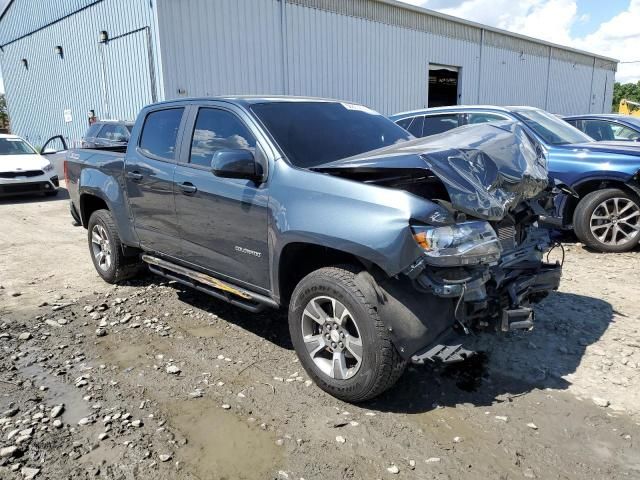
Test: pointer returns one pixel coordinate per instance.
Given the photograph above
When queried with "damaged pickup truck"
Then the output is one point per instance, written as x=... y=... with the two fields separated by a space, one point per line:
x=385 y=249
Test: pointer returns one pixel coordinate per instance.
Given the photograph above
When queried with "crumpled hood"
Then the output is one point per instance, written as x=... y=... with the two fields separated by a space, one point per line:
x=487 y=169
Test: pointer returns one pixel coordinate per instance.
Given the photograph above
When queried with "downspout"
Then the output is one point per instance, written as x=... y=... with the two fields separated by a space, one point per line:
x=283 y=47
x=593 y=71
x=480 y=64
x=546 y=95
x=103 y=78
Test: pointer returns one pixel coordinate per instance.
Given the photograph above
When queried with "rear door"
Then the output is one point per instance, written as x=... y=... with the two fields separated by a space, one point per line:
x=149 y=171
x=223 y=221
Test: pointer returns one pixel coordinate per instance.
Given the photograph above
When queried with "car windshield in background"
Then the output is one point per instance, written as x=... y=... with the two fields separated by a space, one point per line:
x=15 y=146
x=313 y=133
x=550 y=128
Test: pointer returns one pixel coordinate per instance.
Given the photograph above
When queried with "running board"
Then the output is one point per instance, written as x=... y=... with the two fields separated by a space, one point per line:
x=254 y=302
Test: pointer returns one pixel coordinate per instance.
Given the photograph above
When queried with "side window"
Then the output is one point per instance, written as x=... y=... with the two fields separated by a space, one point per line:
x=415 y=128
x=598 y=129
x=217 y=129
x=620 y=132
x=405 y=122
x=160 y=131
x=434 y=124
x=479 y=117
x=574 y=123
x=93 y=130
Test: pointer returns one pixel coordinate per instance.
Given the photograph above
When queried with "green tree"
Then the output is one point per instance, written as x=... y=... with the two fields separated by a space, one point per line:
x=628 y=91
x=4 y=116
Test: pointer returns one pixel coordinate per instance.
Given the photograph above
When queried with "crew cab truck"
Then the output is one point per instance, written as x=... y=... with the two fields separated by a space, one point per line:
x=385 y=249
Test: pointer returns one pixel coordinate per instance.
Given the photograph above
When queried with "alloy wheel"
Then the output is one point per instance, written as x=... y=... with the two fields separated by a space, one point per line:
x=101 y=247
x=616 y=221
x=332 y=337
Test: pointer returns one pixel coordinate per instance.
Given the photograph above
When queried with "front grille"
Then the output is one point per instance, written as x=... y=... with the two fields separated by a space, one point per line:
x=26 y=173
x=17 y=188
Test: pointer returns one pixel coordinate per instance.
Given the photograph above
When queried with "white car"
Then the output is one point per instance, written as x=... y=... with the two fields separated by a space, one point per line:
x=23 y=170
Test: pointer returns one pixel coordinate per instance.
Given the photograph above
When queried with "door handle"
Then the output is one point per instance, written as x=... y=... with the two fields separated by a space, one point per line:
x=134 y=176
x=188 y=188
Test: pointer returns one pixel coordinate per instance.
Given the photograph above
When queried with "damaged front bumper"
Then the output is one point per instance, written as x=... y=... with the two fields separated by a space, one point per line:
x=429 y=310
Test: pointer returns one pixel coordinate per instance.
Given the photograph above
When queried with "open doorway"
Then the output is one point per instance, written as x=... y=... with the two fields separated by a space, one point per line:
x=443 y=85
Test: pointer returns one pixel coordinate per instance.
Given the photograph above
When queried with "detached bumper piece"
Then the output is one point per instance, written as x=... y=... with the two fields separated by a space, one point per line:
x=442 y=353
x=517 y=319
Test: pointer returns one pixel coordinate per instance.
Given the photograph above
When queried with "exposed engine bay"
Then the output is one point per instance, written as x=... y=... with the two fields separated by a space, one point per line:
x=487 y=267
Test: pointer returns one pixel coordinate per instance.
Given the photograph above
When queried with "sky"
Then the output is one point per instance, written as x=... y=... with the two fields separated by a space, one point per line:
x=605 y=27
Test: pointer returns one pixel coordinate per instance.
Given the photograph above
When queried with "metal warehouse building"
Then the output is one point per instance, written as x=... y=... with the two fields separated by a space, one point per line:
x=67 y=57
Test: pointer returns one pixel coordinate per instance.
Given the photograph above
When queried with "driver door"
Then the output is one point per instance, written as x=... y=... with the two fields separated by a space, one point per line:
x=55 y=150
x=222 y=221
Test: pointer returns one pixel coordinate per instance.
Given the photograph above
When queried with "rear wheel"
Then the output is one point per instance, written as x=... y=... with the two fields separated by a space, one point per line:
x=339 y=338
x=608 y=220
x=107 y=250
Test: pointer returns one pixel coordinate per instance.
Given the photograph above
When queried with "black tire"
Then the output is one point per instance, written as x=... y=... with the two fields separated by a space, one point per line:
x=74 y=214
x=582 y=221
x=120 y=267
x=381 y=365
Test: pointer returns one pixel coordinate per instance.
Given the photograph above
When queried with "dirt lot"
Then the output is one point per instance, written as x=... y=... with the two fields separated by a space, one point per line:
x=561 y=402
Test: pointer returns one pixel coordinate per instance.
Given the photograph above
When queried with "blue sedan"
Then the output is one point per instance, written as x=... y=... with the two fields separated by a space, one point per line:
x=607 y=127
x=606 y=175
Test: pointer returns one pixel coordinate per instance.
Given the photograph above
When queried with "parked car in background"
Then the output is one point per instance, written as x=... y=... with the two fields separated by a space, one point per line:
x=381 y=248
x=23 y=170
x=107 y=133
x=605 y=176
x=607 y=127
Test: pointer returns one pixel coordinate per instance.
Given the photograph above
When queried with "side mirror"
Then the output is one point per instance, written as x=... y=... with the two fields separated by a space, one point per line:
x=235 y=163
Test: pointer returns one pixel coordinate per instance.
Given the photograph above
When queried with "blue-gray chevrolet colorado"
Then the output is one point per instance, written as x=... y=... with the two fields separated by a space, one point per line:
x=384 y=248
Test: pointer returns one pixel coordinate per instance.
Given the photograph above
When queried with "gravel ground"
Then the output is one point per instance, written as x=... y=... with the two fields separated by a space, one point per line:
x=150 y=380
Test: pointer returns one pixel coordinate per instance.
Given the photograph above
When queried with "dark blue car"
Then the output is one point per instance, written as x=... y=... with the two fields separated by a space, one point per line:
x=605 y=175
x=607 y=127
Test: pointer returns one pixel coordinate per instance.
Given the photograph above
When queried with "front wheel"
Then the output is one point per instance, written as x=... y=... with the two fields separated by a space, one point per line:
x=339 y=338
x=107 y=251
x=608 y=220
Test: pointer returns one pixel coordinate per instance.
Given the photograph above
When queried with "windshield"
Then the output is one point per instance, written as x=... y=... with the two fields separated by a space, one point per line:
x=551 y=129
x=15 y=146
x=313 y=133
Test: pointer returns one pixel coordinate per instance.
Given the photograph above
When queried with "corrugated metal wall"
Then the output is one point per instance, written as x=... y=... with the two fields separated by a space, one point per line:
x=37 y=96
x=366 y=51
x=373 y=52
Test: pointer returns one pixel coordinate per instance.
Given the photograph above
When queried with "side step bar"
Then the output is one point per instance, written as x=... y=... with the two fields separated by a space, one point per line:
x=254 y=302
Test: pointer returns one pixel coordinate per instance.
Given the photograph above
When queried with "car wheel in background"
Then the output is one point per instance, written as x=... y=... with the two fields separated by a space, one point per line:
x=339 y=338
x=107 y=251
x=608 y=220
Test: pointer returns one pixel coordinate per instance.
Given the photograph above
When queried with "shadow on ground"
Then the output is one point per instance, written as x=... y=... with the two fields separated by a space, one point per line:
x=508 y=365
x=63 y=194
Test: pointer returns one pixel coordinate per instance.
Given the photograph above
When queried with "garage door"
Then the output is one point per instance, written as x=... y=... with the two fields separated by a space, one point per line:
x=127 y=76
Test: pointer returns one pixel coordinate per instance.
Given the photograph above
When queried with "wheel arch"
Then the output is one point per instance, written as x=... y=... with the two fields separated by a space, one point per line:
x=298 y=259
x=587 y=186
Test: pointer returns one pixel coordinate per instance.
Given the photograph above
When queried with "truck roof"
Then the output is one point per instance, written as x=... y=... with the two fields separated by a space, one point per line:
x=254 y=99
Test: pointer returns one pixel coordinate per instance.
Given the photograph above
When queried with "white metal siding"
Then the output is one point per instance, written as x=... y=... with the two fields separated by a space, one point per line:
x=569 y=87
x=369 y=51
x=513 y=78
x=224 y=47
x=37 y=96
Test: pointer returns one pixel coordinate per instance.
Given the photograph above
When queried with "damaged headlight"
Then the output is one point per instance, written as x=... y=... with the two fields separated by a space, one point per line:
x=466 y=243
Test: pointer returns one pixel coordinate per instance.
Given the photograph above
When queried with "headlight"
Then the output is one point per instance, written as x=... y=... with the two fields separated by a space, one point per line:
x=466 y=243
x=48 y=168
